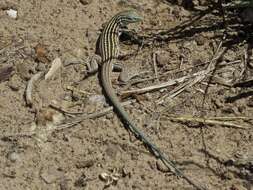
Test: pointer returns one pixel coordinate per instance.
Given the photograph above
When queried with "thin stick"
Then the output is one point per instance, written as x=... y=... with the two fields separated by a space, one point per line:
x=155 y=65
x=66 y=112
x=201 y=75
x=211 y=121
x=84 y=117
x=181 y=88
x=66 y=125
x=231 y=118
x=177 y=71
x=162 y=85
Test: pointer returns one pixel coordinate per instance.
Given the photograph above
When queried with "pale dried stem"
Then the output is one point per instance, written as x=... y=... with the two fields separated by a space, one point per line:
x=210 y=121
x=29 y=87
x=67 y=124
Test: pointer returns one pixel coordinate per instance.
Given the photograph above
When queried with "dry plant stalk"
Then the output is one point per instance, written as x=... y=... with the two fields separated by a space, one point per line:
x=221 y=121
x=68 y=124
x=29 y=88
x=201 y=74
x=55 y=66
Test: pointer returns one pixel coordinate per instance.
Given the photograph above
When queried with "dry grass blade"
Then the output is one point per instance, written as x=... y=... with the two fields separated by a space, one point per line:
x=181 y=88
x=164 y=85
x=209 y=121
x=68 y=124
x=154 y=55
x=197 y=77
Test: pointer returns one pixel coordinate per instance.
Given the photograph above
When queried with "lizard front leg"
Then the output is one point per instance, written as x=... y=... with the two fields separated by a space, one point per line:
x=92 y=65
x=95 y=61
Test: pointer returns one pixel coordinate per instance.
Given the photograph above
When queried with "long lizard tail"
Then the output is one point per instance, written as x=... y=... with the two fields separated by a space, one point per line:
x=107 y=85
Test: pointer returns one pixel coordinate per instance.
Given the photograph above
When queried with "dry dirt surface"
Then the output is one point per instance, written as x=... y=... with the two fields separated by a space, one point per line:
x=201 y=118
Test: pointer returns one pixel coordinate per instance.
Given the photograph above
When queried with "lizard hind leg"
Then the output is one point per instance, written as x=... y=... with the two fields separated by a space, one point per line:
x=127 y=74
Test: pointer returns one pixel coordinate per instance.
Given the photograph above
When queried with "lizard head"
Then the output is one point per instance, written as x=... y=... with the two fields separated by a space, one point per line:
x=127 y=17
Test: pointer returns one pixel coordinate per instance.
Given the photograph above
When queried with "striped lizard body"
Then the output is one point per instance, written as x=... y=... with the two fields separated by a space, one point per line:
x=109 y=49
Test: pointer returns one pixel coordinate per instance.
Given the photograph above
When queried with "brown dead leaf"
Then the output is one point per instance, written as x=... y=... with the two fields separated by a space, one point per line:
x=44 y=116
x=41 y=53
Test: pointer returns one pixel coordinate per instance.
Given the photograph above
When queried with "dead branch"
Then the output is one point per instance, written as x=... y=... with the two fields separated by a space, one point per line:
x=29 y=87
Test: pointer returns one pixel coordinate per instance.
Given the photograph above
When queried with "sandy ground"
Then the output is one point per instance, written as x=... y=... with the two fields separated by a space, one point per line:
x=100 y=153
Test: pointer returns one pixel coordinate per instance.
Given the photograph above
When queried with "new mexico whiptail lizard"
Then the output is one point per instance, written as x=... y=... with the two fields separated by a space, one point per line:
x=109 y=50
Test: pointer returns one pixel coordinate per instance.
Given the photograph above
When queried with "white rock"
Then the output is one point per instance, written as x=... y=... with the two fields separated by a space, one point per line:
x=12 y=13
x=13 y=156
x=97 y=99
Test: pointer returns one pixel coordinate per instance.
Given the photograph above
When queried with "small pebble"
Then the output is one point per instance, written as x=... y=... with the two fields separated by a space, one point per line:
x=85 y=164
x=5 y=73
x=250 y=102
x=24 y=70
x=112 y=151
x=41 y=67
x=99 y=99
x=81 y=181
x=13 y=156
x=162 y=58
x=64 y=184
x=13 y=86
x=85 y=2
x=51 y=175
x=200 y=40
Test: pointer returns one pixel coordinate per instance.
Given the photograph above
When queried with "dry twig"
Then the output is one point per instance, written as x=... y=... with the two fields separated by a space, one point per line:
x=155 y=65
x=163 y=85
x=67 y=124
x=29 y=88
x=55 y=66
x=210 y=121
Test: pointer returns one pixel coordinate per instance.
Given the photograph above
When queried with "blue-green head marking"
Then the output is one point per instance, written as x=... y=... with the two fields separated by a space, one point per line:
x=127 y=17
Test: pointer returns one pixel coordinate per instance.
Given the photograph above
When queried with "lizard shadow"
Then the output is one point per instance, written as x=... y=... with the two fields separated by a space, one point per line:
x=242 y=95
x=195 y=25
x=231 y=167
